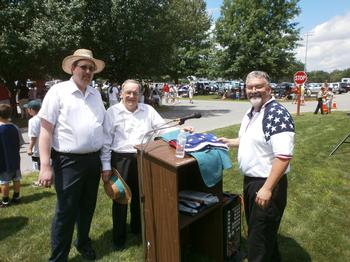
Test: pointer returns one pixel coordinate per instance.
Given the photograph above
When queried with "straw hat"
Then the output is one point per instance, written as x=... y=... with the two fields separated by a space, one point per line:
x=117 y=189
x=79 y=55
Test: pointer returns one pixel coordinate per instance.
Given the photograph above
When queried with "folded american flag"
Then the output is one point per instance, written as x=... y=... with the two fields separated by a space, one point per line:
x=199 y=141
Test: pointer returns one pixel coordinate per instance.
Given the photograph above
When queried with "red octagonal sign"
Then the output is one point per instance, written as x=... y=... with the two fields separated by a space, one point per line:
x=300 y=77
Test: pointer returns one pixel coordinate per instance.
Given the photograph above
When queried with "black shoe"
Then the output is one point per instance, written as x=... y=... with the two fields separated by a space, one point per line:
x=4 y=204
x=16 y=200
x=86 y=251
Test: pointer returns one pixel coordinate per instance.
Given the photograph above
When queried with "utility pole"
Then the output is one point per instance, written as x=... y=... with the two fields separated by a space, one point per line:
x=307 y=41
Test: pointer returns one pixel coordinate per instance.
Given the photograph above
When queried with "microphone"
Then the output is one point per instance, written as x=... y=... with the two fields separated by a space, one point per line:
x=183 y=119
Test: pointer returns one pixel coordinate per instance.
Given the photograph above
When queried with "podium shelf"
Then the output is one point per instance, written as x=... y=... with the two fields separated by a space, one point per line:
x=185 y=220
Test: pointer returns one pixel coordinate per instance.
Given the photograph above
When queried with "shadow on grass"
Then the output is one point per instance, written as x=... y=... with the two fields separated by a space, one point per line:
x=35 y=197
x=291 y=251
x=11 y=225
x=103 y=245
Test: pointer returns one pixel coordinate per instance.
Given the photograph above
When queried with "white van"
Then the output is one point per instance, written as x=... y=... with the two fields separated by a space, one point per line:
x=345 y=80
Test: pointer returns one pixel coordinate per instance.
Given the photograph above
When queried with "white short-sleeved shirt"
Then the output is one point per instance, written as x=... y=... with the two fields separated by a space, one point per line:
x=77 y=118
x=124 y=129
x=113 y=93
x=264 y=136
x=34 y=131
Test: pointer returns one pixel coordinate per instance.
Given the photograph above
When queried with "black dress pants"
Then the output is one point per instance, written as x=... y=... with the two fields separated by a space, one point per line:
x=76 y=184
x=319 y=106
x=263 y=224
x=126 y=164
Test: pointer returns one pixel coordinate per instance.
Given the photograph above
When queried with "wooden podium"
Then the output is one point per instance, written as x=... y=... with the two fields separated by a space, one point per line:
x=170 y=235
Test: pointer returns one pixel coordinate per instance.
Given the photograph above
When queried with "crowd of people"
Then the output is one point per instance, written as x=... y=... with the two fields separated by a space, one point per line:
x=80 y=142
x=154 y=94
x=22 y=93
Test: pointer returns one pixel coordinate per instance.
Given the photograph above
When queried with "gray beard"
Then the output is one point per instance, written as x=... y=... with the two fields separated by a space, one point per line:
x=256 y=102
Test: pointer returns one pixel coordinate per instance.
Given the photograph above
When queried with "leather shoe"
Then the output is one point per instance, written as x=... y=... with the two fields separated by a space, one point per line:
x=86 y=252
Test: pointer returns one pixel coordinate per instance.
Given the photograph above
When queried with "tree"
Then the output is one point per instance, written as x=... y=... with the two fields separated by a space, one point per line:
x=190 y=26
x=318 y=76
x=137 y=39
x=257 y=34
x=35 y=36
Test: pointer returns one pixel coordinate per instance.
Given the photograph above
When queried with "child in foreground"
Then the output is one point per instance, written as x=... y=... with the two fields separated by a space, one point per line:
x=9 y=157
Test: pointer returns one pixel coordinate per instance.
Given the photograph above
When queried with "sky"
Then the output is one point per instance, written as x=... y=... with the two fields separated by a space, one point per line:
x=325 y=26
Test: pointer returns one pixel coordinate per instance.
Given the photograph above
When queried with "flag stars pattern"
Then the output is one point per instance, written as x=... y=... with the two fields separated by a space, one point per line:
x=276 y=120
x=198 y=141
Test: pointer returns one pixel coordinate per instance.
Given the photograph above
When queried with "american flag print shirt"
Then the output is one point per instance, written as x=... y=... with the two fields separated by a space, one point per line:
x=264 y=136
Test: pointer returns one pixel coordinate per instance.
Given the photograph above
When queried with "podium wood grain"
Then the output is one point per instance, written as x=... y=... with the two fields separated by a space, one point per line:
x=169 y=233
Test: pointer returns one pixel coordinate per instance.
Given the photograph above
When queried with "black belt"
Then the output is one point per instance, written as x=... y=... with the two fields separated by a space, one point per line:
x=250 y=178
x=54 y=152
x=126 y=155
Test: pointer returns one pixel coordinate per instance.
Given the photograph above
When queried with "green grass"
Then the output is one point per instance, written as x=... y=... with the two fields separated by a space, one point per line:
x=315 y=225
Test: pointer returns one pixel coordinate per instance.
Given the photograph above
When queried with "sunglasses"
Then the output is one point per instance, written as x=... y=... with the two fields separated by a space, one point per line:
x=87 y=67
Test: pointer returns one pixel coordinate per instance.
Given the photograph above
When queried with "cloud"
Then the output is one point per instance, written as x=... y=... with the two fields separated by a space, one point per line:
x=328 y=45
x=214 y=12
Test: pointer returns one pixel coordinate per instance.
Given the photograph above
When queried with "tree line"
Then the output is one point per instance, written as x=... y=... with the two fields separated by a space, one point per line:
x=153 y=39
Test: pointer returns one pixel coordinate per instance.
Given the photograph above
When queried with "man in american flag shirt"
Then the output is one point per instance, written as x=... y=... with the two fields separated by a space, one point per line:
x=265 y=148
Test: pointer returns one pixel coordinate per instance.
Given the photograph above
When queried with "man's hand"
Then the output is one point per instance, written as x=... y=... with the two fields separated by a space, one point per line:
x=230 y=142
x=29 y=152
x=263 y=197
x=106 y=175
x=45 y=175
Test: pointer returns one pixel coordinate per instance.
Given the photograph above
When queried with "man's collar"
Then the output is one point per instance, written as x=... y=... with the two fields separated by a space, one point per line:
x=74 y=88
x=140 y=107
x=268 y=102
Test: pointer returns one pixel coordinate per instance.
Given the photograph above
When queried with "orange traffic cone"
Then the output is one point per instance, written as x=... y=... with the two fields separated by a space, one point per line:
x=324 y=105
x=334 y=104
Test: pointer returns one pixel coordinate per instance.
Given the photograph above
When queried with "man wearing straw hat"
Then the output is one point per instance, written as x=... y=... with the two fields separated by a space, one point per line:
x=71 y=133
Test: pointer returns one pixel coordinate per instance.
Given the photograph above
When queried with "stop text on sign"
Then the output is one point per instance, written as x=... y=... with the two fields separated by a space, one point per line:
x=300 y=77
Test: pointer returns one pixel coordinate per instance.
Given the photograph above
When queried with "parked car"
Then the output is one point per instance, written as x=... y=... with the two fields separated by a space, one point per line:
x=223 y=87
x=345 y=80
x=282 y=90
x=213 y=87
x=345 y=86
x=202 y=87
x=183 y=91
x=312 y=88
x=338 y=88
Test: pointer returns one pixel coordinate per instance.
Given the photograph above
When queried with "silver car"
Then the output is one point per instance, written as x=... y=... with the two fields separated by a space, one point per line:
x=312 y=88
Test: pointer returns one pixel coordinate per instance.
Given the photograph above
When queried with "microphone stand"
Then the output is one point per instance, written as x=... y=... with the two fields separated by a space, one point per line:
x=142 y=197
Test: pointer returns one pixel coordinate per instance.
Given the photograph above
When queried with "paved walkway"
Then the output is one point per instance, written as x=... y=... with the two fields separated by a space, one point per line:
x=215 y=114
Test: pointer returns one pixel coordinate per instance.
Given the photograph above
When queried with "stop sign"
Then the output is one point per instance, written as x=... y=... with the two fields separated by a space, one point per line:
x=300 y=77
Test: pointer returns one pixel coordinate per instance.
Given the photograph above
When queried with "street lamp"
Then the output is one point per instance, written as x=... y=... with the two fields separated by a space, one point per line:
x=307 y=41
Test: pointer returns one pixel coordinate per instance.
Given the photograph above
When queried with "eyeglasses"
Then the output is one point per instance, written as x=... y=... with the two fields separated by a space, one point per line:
x=87 y=67
x=257 y=87
x=129 y=93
